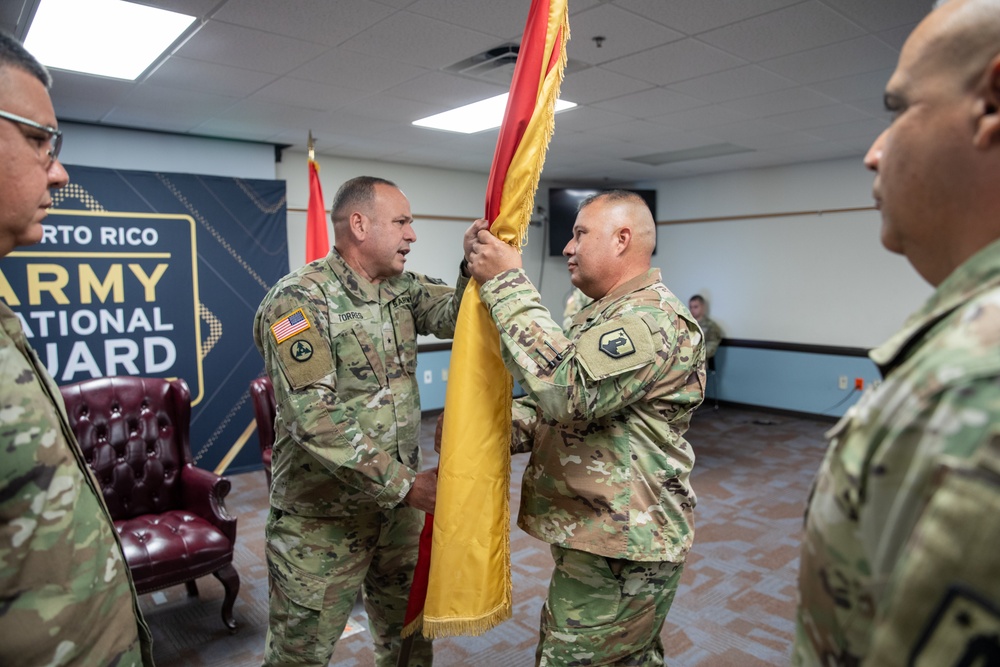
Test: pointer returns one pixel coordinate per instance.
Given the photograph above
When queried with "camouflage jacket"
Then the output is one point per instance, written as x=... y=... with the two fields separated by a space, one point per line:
x=713 y=335
x=66 y=594
x=604 y=417
x=899 y=557
x=342 y=355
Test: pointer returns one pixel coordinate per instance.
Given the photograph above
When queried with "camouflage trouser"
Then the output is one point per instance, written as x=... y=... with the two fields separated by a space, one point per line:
x=316 y=566
x=605 y=611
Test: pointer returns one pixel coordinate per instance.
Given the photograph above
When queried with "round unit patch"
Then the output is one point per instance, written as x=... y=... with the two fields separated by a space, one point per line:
x=302 y=350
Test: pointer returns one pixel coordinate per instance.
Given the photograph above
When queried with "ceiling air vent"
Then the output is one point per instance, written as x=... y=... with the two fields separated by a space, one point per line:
x=495 y=65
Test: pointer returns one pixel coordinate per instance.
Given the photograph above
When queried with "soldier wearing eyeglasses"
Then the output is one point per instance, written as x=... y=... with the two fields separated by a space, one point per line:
x=66 y=595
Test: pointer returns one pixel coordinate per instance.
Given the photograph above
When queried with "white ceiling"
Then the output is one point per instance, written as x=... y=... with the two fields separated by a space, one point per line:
x=787 y=81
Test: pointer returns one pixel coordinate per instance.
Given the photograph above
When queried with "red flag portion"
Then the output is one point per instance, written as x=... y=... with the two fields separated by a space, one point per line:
x=469 y=588
x=317 y=239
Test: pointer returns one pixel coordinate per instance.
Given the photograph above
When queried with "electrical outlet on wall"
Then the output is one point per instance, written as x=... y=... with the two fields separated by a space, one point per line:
x=842 y=382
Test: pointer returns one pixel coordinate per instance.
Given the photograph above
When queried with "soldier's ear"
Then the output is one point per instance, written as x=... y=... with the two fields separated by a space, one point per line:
x=987 y=133
x=358 y=224
x=623 y=237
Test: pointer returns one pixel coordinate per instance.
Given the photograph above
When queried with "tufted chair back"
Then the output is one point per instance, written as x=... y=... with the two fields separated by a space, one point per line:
x=134 y=434
x=262 y=397
x=170 y=516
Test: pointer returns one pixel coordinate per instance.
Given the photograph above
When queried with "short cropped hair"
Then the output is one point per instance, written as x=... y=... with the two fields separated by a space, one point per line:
x=13 y=54
x=613 y=196
x=359 y=192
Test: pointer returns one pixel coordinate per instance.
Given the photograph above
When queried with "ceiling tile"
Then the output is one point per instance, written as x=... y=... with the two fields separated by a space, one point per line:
x=733 y=84
x=504 y=19
x=445 y=91
x=596 y=83
x=320 y=21
x=883 y=14
x=695 y=16
x=349 y=69
x=820 y=117
x=624 y=34
x=797 y=28
x=415 y=39
x=177 y=72
x=855 y=87
x=792 y=99
x=677 y=61
x=854 y=56
x=226 y=44
x=652 y=102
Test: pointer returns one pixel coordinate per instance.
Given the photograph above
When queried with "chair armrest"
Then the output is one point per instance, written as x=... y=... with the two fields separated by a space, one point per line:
x=203 y=493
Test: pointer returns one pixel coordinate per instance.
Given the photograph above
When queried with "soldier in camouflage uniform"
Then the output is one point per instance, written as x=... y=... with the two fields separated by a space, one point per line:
x=899 y=557
x=66 y=594
x=711 y=330
x=339 y=340
x=607 y=405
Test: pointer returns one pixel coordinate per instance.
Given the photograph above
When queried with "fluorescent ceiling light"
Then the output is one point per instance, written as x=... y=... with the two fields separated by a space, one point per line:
x=105 y=37
x=477 y=116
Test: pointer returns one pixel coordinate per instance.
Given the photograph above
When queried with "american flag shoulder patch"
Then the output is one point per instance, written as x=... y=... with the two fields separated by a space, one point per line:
x=288 y=326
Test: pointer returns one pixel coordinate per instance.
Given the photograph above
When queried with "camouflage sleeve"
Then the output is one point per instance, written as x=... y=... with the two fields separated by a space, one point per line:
x=435 y=304
x=943 y=595
x=524 y=418
x=573 y=381
x=316 y=419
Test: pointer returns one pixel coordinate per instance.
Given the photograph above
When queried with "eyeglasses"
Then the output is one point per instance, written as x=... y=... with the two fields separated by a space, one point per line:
x=55 y=136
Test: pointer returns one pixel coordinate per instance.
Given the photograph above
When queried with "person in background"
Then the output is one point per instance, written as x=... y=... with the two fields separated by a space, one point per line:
x=575 y=302
x=608 y=482
x=899 y=562
x=713 y=334
x=66 y=593
x=339 y=341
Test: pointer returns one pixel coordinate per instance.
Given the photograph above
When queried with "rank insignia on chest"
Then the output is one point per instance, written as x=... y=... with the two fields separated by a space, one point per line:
x=288 y=326
x=616 y=344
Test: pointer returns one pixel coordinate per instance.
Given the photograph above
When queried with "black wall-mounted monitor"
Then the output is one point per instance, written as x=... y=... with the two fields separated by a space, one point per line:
x=563 y=204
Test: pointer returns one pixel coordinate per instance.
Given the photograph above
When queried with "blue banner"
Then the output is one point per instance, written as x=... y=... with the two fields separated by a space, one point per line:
x=157 y=274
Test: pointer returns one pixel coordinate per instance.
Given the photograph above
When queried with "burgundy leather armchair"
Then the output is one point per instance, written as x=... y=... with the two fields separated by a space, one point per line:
x=262 y=397
x=170 y=515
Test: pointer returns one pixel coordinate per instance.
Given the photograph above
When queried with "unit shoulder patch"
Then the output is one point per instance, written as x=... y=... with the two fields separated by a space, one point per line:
x=304 y=356
x=964 y=631
x=615 y=347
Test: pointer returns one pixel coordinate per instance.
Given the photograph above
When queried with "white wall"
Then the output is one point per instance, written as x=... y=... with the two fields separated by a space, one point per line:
x=821 y=279
x=112 y=148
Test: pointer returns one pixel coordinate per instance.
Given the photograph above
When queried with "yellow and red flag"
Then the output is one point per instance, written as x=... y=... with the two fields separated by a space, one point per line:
x=317 y=239
x=469 y=587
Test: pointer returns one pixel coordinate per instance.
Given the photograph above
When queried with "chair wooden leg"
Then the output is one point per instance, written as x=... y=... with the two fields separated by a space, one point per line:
x=192 y=588
x=231 y=582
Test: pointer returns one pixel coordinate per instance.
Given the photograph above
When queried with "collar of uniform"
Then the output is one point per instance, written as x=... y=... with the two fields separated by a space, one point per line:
x=641 y=281
x=359 y=286
x=978 y=274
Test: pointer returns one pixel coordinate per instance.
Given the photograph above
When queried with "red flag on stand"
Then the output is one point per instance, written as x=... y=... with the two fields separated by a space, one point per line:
x=317 y=239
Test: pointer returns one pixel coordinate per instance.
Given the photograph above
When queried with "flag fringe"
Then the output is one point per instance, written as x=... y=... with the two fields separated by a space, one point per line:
x=466 y=627
x=527 y=203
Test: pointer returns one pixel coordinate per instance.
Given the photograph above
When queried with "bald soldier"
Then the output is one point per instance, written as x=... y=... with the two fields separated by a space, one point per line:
x=604 y=418
x=899 y=557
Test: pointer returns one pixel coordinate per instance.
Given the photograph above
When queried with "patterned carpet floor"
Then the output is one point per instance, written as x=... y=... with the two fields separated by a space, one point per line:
x=734 y=608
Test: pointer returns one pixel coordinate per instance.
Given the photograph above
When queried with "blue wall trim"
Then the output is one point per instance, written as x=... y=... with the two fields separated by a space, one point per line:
x=780 y=376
